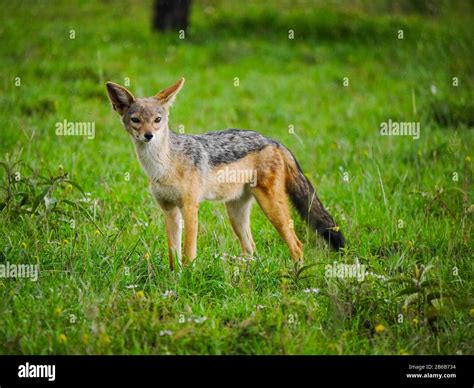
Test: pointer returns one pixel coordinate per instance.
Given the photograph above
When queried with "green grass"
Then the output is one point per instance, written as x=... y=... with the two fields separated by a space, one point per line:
x=104 y=285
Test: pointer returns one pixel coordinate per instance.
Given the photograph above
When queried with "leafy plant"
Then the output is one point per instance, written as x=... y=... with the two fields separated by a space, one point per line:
x=295 y=275
x=37 y=194
x=422 y=293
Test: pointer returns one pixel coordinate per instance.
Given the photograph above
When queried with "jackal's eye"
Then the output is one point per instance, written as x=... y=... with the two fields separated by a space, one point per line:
x=135 y=120
x=158 y=119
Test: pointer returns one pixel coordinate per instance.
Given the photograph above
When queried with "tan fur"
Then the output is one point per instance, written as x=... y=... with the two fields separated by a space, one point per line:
x=270 y=193
x=180 y=194
x=179 y=187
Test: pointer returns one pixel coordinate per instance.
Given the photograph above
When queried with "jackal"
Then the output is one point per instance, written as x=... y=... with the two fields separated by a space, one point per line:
x=233 y=166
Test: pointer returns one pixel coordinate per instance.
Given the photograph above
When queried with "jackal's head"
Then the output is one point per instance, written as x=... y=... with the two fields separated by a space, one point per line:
x=145 y=119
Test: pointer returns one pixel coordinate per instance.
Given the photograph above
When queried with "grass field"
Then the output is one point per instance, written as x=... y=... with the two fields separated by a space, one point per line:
x=81 y=210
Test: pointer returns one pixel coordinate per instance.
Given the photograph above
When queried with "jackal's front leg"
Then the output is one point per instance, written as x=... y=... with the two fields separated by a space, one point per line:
x=190 y=215
x=173 y=226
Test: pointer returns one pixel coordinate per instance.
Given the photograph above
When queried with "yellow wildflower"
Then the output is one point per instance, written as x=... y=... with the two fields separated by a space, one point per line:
x=105 y=339
x=379 y=328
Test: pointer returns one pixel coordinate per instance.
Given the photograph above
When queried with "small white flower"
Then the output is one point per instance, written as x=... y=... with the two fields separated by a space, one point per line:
x=49 y=202
x=311 y=290
x=141 y=223
x=200 y=320
x=131 y=286
x=377 y=276
x=165 y=332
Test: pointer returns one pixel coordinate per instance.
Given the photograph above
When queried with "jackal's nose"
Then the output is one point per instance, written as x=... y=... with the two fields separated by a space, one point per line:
x=148 y=136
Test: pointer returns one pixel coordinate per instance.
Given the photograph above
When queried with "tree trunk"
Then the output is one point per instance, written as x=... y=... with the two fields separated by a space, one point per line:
x=171 y=15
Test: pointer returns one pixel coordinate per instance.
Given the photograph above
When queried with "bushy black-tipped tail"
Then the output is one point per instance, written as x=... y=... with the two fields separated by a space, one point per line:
x=304 y=198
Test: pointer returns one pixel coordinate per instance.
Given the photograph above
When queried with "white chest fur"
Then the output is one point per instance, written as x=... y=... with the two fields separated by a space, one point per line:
x=152 y=160
x=155 y=162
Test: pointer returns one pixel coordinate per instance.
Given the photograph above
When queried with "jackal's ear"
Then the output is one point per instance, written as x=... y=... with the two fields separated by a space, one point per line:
x=167 y=96
x=120 y=97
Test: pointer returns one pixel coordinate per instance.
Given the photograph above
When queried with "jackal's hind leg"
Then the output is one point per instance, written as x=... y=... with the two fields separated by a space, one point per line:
x=239 y=216
x=274 y=203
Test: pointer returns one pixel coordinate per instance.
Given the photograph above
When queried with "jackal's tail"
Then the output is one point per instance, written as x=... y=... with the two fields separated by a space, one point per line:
x=304 y=198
